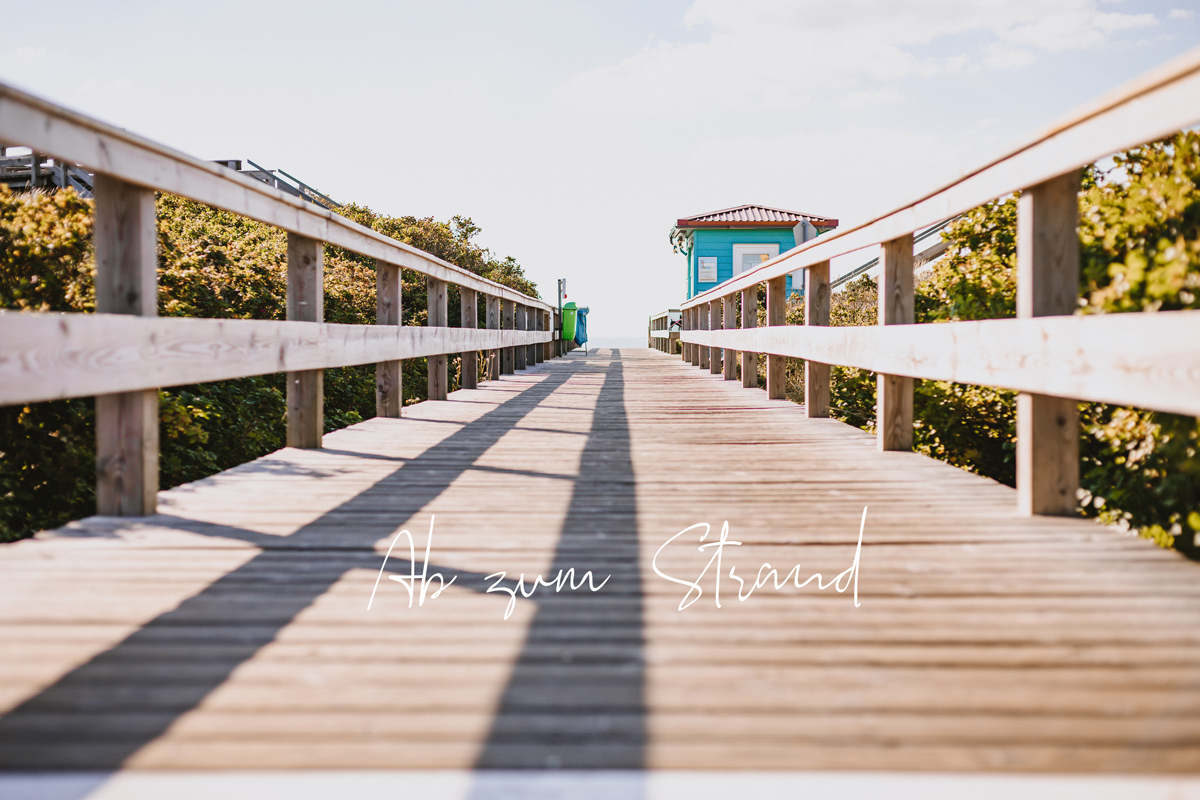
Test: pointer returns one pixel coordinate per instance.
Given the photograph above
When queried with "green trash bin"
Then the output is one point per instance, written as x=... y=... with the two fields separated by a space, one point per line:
x=568 y=322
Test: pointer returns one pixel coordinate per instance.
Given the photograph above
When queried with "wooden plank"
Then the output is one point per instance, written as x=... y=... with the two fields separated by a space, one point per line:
x=305 y=303
x=894 y=393
x=389 y=389
x=519 y=353
x=126 y=246
x=1144 y=360
x=53 y=356
x=493 y=323
x=816 y=312
x=507 y=322
x=530 y=325
x=729 y=315
x=702 y=318
x=776 y=376
x=1158 y=104
x=439 y=317
x=208 y=638
x=1048 y=285
x=749 y=320
x=714 y=323
x=104 y=148
x=470 y=319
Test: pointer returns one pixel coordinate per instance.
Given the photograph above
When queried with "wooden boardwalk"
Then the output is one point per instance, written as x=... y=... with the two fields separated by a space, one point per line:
x=231 y=630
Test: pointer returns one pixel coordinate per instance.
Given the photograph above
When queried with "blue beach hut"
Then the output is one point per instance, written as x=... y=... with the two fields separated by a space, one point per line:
x=721 y=244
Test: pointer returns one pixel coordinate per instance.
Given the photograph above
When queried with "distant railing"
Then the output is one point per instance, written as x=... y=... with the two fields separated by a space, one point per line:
x=664 y=329
x=1054 y=359
x=124 y=353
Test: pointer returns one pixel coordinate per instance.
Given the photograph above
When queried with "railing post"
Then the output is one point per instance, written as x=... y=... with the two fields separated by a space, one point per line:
x=439 y=317
x=507 y=354
x=750 y=320
x=776 y=374
x=548 y=326
x=729 y=315
x=470 y=319
x=519 y=325
x=714 y=324
x=894 y=393
x=702 y=318
x=389 y=390
x=539 y=349
x=694 y=324
x=126 y=248
x=530 y=325
x=493 y=323
x=816 y=312
x=306 y=303
x=1048 y=285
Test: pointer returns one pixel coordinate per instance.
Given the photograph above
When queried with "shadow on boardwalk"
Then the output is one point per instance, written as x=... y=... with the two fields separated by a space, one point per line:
x=103 y=712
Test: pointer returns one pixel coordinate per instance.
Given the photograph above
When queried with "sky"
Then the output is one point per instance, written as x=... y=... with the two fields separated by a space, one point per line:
x=576 y=133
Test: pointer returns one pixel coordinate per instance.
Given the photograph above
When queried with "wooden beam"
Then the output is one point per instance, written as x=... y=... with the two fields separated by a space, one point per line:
x=816 y=312
x=507 y=355
x=749 y=320
x=894 y=393
x=305 y=303
x=75 y=138
x=470 y=319
x=702 y=320
x=519 y=353
x=714 y=323
x=389 y=389
x=776 y=373
x=439 y=317
x=729 y=315
x=530 y=325
x=1161 y=102
x=1048 y=285
x=125 y=244
x=493 y=323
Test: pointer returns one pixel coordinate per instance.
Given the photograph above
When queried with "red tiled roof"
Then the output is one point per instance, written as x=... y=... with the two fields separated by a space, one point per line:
x=751 y=216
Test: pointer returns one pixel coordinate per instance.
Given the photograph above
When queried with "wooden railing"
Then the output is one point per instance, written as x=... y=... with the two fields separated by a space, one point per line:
x=660 y=335
x=1052 y=358
x=123 y=353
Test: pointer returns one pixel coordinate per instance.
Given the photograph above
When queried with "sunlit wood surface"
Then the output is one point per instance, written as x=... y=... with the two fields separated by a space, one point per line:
x=231 y=630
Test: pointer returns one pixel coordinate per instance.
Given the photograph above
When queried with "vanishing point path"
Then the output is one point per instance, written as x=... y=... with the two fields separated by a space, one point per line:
x=232 y=629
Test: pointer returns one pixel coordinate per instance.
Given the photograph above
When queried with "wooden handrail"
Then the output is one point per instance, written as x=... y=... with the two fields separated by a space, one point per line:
x=1051 y=357
x=1156 y=104
x=55 y=131
x=124 y=353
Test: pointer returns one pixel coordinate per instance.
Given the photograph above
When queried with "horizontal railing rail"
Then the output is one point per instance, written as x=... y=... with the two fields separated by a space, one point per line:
x=1051 y=356
x=124 y=353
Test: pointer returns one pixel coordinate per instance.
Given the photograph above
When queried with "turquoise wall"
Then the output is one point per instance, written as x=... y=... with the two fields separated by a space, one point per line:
x=719 y=242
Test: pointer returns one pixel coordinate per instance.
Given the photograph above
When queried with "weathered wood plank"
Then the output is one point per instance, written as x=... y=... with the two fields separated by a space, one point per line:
x=776 y=366
x=389 y=389
x=126 y=247
x=816 y=312
x=470 y=319
x=113 y=151
x=714 y=323
x=749 y=320
x=1048 y=285
x=894 y=393
x=439 y=317
x=1144 y=360
x=1159 y=103
x=305 y=303
x=729 y=316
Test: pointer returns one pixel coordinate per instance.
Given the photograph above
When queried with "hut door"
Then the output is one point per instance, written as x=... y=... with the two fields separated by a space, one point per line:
x=749 y=256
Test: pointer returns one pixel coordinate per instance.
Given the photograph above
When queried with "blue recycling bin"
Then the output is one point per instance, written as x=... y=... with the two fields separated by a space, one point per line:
x=581 y=326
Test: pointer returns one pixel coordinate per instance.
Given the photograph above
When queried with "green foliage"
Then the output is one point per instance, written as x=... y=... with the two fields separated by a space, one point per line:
x=1140 y=240
x=211 y=264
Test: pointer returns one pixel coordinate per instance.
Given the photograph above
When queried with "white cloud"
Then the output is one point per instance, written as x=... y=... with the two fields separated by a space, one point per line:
x=1179 y=13
x=761 y=53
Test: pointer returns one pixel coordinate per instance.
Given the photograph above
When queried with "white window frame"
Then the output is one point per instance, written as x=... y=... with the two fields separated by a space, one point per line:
x=739 y=250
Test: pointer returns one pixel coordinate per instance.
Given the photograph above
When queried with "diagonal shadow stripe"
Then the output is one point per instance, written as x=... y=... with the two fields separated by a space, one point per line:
x=576 y=697
x=102 y=712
